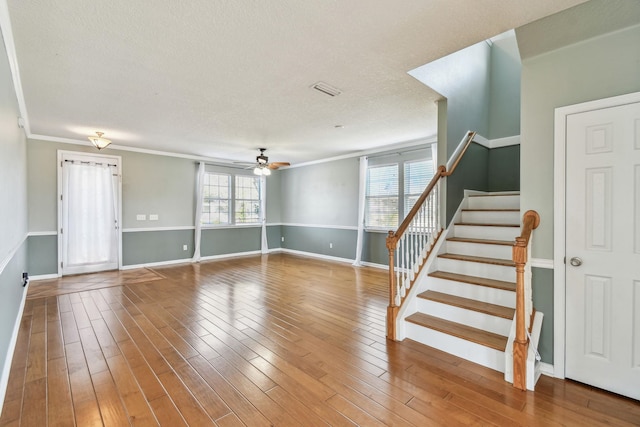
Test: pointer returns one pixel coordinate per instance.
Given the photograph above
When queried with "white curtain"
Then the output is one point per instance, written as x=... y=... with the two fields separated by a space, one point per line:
x=198 y=216
x=89 y=224
x=362 y=188
x=264 y=245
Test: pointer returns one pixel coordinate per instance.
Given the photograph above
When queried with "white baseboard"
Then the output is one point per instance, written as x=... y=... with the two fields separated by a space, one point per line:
x=374 y=265
x=546 y=369
x=43 y=277
x=6 y=370
x=315 y=255
x=157 y=264
x=233 y=255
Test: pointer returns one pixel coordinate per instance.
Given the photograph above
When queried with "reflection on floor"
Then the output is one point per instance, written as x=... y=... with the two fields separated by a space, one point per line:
x=88 y=282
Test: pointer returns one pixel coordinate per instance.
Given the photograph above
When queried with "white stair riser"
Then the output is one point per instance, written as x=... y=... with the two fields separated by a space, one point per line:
x=491 y=217
x=480 y=249
x=476 y=353
x=471 y=291
x=486 y=232
x=494 y=202
x=478 y=269
x=483 y=321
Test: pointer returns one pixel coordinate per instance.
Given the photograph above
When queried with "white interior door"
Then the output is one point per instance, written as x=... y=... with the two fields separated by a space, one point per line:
x=603 y=248
x=89 y=213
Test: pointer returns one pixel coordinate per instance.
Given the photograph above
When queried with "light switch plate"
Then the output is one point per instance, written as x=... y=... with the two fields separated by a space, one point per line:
x=141 y=217
x=153 y=217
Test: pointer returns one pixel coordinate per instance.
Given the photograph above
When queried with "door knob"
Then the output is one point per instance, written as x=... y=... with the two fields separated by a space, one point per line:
x=575 y=261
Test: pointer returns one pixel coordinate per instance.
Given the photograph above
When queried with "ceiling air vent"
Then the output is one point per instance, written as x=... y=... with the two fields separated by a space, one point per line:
x=326 y=89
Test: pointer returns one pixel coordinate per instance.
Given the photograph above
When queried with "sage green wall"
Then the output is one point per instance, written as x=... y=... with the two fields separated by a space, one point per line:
x=542 y=284
x=504 y=104
x=471 y=174
x=321 y=194
x=464 y=79
x=597 y=68
x=317 y=240
x=504 y=169
x=43 y=255
x=601 y=67
x=374 y=248
x=144 y=247
x=221 y=241
x=151 y=184
x=274 y=198
x=13 y=211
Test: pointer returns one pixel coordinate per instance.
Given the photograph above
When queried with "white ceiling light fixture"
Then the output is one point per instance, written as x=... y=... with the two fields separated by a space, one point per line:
x=98 y=141
x=262 y=170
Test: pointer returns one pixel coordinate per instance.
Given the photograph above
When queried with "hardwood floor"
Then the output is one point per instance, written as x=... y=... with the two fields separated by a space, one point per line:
x=274 y=340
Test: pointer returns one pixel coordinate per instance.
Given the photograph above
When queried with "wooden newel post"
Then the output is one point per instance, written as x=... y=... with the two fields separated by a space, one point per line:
x=521 y=343
x=392 y=309
x=530 y=221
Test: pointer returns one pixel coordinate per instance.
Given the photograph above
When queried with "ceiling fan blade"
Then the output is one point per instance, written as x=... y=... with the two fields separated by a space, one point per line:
x=276 y=165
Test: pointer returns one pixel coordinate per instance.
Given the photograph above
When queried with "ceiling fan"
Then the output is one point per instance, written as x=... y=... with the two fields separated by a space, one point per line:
x=263 y=167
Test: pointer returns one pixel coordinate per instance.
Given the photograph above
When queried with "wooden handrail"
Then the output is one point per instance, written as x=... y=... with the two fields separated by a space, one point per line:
x=394 y=237
x=530 y=221
x=470 y=136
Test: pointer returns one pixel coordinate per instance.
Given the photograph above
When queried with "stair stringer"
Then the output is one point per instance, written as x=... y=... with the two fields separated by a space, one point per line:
x=533 y=362
x=410 y=305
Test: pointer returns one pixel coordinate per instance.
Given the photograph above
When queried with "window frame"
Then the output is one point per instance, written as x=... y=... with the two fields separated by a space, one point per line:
x=236 y=199
x=232 y=202
x=401 y=188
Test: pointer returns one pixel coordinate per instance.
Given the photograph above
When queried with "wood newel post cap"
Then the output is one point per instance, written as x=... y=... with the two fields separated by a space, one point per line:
x=392 y=241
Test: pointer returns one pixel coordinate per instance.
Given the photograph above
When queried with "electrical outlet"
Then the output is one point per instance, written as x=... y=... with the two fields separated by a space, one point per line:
x=184 y=247
x=153 y=217
x=282 y=239
x=330 y=245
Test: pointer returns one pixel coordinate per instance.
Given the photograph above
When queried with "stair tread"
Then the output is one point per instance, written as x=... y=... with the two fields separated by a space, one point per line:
x=480 y=281
x=484 y=241
x=478 y=336
x=486 y=224
x=469 y=304
x=483 y=260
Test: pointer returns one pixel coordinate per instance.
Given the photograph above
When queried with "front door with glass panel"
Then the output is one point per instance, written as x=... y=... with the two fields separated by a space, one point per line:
x=89 y=212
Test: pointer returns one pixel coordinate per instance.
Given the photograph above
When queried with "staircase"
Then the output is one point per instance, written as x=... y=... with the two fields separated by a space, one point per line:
x=465 y=305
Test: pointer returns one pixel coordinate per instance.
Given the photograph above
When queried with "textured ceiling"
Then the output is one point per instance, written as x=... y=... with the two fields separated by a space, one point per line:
x=221 y=78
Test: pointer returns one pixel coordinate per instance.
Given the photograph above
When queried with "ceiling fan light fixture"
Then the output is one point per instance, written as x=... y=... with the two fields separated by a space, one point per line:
x=98 y=141
x=262 y=170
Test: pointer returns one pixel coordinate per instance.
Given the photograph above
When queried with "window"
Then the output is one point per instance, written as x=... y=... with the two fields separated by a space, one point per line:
x=381 y=202
x=247 y=200
x=393 y=189
x=417 y=175
x=230 y=199
x=217 y=195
